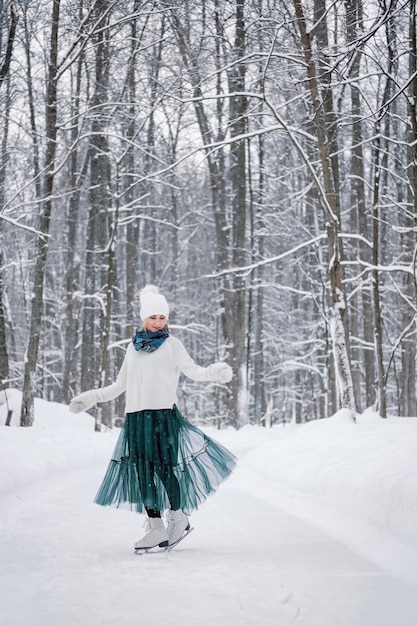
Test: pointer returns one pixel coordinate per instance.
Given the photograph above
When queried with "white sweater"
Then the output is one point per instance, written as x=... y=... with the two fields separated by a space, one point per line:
x=150 y=379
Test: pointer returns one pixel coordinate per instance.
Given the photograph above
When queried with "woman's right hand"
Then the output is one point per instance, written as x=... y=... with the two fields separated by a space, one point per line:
x=83 y=402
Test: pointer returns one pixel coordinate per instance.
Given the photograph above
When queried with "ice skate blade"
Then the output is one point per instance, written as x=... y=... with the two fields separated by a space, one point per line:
x=154 y=550
x=162 y=547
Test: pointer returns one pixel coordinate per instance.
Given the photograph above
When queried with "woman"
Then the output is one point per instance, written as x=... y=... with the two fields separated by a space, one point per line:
x=161 y=461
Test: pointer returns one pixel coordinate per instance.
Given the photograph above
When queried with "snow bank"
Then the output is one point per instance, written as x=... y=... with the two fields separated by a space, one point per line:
x=366 y=471
x=57 y=442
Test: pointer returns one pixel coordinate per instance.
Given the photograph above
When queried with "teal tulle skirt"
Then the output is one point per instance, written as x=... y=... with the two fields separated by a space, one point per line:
x=161 y=462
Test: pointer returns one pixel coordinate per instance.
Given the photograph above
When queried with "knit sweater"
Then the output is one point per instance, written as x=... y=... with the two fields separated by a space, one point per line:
x=150 y=380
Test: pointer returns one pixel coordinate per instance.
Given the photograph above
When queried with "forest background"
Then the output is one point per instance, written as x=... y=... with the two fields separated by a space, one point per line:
x=256 y=160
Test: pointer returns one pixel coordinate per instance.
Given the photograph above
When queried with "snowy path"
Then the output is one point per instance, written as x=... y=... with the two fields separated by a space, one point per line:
x=66 y=561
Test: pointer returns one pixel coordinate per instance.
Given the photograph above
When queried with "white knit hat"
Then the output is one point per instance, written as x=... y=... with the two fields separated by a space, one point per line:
x=152 y=303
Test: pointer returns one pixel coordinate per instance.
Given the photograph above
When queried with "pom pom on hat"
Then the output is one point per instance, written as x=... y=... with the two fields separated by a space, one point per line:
x=152 y=303
x=149 y=289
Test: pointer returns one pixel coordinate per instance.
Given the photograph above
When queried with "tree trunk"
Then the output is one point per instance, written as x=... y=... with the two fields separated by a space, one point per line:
x=31 y=104
x=4 y=69
x=148 y=260
x=339 y=335
x=256 y=293
x=100 y=202
x=106 y=326
x=363 y=305
x=27 y=415
x=376 y=237
x=235 y=310
x=4 y=356
x=132 y=229
x=72 y=276
x=408 y=404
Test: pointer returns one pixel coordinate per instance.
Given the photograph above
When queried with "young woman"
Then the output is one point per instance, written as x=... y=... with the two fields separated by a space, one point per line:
x=161 y=462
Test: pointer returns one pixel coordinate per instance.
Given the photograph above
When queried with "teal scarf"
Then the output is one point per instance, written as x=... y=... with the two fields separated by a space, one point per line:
x=149 y=342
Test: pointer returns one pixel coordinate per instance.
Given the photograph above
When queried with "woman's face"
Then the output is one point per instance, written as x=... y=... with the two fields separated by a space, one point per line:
x=155 y=322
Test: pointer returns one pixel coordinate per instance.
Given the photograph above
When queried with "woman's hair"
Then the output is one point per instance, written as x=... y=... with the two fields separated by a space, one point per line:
x=143 y=327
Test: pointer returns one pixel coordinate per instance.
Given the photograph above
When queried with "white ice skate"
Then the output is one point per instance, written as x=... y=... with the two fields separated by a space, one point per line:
x=156 y=536
x=178 y=527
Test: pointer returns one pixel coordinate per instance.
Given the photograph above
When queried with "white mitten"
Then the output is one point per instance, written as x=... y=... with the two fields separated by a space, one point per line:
x=83 y=402
x=221 y=372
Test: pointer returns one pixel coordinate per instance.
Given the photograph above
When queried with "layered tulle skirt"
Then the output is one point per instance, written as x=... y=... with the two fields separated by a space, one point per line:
x=161 y=461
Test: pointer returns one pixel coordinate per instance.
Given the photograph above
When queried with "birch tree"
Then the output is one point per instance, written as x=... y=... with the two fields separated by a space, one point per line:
x=330 y=204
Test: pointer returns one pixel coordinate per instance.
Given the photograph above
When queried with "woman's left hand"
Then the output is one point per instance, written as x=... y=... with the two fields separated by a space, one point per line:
x=221 y=372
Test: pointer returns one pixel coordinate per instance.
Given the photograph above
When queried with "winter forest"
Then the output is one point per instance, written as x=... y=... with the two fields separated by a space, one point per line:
x=255 y=159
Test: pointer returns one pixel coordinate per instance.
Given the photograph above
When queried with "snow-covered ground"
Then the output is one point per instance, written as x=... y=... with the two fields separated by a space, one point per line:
x=316 y=527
